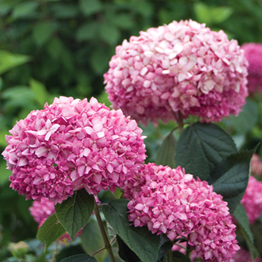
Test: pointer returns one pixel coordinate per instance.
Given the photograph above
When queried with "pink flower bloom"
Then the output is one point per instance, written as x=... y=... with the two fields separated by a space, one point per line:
x=256 y=165
x=41 y=210
x=174 y=203
x=253 y=54
x=180 y=68
x=73 y=144
x=252 y=199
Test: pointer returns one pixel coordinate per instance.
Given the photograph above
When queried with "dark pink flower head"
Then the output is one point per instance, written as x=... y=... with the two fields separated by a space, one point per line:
x=174 y=203
x=181 y=67
x=256 y=165
x=252 y=199
x=41 y=210
x=253 y=53
x=73 y=144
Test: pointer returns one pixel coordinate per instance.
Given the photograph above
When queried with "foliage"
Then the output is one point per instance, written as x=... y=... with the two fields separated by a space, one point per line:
x=50 y=47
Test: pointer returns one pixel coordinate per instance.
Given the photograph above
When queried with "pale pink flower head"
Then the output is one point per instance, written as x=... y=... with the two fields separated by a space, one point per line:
x=177 y=70
x=73 y=144
x=252 y=199
x=256 y=165
x=253 y=54
x=171 y=202
x=41 y=210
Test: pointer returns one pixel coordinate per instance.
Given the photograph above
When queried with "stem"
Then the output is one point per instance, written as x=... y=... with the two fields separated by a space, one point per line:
x=55 y=251
x=170 y=256
x=103 y=232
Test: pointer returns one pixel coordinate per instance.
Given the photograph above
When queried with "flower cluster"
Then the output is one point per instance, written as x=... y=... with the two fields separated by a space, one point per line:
x=180 y=68
x=72 y=144
x=174 y=203
x=253 y=53
x=256 y=165
x=252 y=199
x=41 y=210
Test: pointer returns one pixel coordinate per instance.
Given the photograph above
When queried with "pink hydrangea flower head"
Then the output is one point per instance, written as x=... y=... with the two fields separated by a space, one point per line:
x=256 y=165
x=41 y=210
x=253 y=53
x=252 y=199
x=172 y=202
x=179 y=68
x=73 y=144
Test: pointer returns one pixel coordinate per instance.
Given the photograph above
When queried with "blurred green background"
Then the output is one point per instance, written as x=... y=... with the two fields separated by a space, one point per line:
x=62 y=47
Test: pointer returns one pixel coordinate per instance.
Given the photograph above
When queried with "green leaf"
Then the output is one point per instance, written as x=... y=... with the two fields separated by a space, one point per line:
x=5 y=173
x=179 y=257
x=125 y=252
x=165 y=246
x=139 y=239
x=99 y=60
x=246 y=119
x=87 y=31
x=74 y=212
x=10 y=60
x=202 y=12
x=64 y=11
x=124 y=21
x=166 y=153
x=24 y=9
x=109 y=33
x=39 y=90
x=55 y=48
x=221 y=13
x=230 y=178
x=42 y=32
x=201 y=147
x=89 y=7
x=91 y=240
x=243 y=223
x=79 y=258
x=50 y=231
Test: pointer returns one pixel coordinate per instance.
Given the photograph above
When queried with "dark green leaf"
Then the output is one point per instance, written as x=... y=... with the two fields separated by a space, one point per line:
x=91 y=240
x=166 y=153
x=55 y=48
x=74 y=212
x=243 y=223
x=109 y=33
x=79 y=258
x=125 y=252
x=99 y=60
x=165 y=246
x=68 y=251
x=10 y=60
x=42 y=32
x=201 y=147
x=50 y=231
x=89 y=7
x=246 y=119
x=87 y=31
x=24 y=9
x=139 y=239
x=124 y=21
x=230 y=178
x=179 y=257
x=64 y=11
